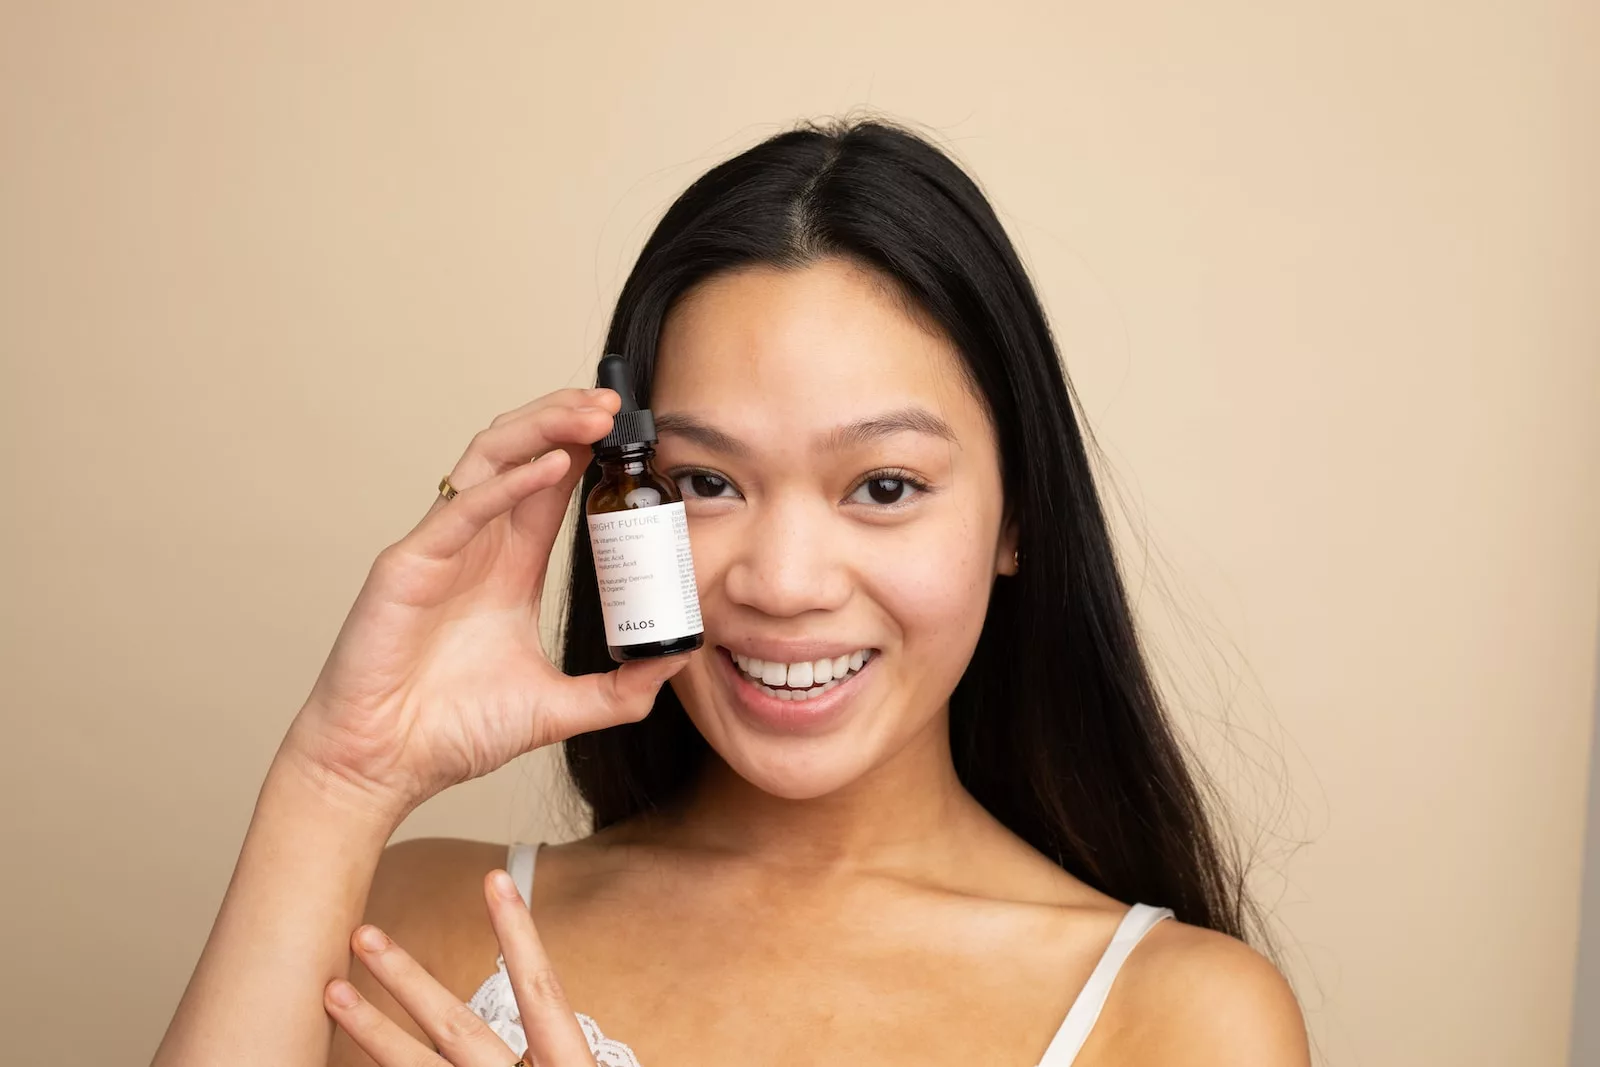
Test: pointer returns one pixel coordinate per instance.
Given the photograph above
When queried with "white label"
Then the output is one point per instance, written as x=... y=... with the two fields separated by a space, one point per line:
x=647 y=590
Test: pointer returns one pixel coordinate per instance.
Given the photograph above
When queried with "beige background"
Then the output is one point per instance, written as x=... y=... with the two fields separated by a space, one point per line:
x=1586 y=1021
x=1325 y=275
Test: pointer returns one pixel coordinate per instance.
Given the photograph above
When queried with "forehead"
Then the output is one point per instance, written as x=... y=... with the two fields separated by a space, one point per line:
x=782 y=354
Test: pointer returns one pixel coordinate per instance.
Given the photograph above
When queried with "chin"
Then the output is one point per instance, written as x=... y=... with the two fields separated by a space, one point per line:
x=795 y=769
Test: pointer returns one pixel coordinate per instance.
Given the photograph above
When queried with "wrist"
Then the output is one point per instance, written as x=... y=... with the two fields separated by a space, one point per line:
x=298 y=773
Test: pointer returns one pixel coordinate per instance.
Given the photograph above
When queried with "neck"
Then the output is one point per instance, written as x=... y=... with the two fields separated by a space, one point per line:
x=908 y=811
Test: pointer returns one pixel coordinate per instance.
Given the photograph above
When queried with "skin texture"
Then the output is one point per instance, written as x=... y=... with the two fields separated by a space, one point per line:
x=793 y=552
x=831 y=895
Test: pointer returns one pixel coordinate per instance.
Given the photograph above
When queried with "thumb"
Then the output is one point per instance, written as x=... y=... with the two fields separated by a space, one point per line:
x=595 y=701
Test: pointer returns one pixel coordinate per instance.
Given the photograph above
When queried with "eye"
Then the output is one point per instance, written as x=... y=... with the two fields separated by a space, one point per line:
x=703 y=485
x=887 y=489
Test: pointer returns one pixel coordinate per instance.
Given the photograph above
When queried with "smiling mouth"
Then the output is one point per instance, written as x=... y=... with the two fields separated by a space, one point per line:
x=803 y=680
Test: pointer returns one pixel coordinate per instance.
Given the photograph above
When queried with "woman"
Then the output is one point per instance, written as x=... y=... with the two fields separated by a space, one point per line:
x=944 y=858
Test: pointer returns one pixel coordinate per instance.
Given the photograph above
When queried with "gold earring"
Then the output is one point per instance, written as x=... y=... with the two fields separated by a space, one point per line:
x=1016 y=559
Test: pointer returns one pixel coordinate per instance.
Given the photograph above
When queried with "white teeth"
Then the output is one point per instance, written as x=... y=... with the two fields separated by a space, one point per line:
x=806 y=679
x=798 y=694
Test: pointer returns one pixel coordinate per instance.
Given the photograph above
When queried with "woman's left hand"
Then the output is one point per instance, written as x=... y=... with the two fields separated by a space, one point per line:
x=463 y=1039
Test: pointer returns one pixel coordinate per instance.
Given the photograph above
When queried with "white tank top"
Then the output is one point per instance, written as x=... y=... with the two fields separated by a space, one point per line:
x=496 y=1005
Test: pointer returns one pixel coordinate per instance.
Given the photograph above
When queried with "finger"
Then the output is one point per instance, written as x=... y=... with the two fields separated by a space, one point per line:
x=554 y=1037
x=379 y=1036
x=505 y=445
x=571 y=397
x=538 y=518
x=446 y=529
x=463 y=1038
x=595 y=701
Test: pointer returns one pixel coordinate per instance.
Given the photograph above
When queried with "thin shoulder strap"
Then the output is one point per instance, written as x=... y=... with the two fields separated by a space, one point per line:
x=520 y=860
x=1085 y=1011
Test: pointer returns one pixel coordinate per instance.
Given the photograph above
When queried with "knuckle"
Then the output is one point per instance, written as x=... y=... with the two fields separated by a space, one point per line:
x=554 y=419
x=388 y=562
x=395 y=566
x=628 y=706
x=558 y=398
x=514 y=414
x=360 y=1019
x=461 y=1023
x=632 y=710
x=543 y=987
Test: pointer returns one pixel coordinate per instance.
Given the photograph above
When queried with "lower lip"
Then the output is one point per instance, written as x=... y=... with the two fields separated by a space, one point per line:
x=812 y=715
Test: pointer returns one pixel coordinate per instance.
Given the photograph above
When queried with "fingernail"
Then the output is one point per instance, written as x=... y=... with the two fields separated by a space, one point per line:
x=504 y=885
x=343 y=993
x=597 y=391
x=590 y=407
x=372 y=939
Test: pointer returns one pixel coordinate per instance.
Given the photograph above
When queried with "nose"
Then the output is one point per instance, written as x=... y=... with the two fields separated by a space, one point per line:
x=791 y=558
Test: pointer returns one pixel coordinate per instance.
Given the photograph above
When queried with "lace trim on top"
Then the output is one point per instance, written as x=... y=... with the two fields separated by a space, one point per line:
x=496 y=1004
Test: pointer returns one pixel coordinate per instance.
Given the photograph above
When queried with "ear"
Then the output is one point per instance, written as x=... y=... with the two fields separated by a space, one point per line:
x=1005 y=554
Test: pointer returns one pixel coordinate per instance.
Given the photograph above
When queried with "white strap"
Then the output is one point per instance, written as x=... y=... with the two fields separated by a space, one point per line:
x=1085 y=1011
x=519 y=865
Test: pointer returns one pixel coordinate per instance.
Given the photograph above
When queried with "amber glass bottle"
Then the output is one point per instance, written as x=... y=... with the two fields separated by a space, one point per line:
x=639 y=537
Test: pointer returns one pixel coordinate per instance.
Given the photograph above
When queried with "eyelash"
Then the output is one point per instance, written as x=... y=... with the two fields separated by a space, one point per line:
x=679 y=474
x=895 y=474
x=892 y=474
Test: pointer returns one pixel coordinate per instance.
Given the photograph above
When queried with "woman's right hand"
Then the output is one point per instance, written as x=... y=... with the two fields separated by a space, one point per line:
x=438 y=674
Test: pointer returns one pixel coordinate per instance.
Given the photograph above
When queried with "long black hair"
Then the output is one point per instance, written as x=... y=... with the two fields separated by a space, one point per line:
x=1057 y=727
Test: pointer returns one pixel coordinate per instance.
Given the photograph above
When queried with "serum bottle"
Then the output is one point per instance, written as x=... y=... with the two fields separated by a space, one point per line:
x=640 y=538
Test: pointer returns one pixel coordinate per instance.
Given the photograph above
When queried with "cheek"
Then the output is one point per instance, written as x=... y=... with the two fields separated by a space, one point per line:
x=715 y=544
x=933 y=581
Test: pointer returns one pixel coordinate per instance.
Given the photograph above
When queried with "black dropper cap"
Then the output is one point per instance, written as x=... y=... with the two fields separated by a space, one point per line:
x=633 y=425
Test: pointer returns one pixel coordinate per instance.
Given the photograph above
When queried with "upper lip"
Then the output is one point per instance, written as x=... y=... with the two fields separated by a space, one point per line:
x=792 y=651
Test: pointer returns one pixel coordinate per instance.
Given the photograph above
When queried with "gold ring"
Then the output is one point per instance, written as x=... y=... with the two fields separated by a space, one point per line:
x=448 y=491
x=522 y=1061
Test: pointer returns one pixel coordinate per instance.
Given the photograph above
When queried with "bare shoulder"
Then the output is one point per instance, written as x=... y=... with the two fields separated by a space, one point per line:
x=427 y=895
x=1192 y=997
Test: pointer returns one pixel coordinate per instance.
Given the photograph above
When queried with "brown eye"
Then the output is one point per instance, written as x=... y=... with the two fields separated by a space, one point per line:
x=885 y=491
x=703 y=484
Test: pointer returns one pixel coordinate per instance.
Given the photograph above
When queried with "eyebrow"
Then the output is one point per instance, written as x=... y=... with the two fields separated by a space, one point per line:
x=850 y=435
x=876 y=427
x=701 y=433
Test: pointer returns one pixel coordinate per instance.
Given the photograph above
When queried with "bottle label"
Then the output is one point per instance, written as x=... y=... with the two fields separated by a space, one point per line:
x=647 y=590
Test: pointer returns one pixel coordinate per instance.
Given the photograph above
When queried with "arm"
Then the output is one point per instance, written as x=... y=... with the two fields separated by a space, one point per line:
x=436 y=677
x=427 y=895
x=298 y=889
